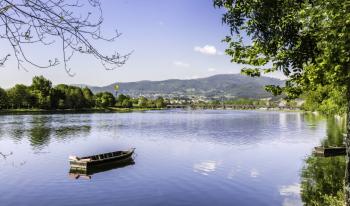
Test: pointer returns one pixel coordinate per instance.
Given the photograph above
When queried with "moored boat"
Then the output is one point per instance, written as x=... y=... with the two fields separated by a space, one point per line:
x=77 y=173
x=330 y=151
x=100 y=159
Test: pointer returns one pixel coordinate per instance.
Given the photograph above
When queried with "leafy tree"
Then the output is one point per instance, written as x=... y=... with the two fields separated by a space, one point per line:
x=127 y=103
x=19 y=96
x=326 y=100
x=76 y=97
x=142 y=102
x=104 y=99
x=121 y=97
x=71 y=97
x=309 y=41
x=159 y=103
x=41 y=89
x=60 y=93
x=89 y=97
x=3 y=99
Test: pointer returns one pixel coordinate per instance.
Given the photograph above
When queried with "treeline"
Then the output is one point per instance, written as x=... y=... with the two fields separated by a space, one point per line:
x=42 y=95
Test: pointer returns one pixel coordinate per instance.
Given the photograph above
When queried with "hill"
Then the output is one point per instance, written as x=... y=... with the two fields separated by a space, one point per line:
x=217 y=86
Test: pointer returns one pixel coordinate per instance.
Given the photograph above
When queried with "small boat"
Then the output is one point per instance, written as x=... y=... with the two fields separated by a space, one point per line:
x=77 y=173
x=100 y=159
x=330 y=151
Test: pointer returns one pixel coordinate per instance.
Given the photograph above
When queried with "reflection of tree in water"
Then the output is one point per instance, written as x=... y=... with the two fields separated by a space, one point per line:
x=17 y=128
x=40 y=132
x=67 y=132
x=335 y=131
x=313 y=119
x=322 y=179
x=45 y=127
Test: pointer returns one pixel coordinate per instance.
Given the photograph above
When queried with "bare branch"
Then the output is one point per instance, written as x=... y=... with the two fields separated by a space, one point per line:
x=24 y=22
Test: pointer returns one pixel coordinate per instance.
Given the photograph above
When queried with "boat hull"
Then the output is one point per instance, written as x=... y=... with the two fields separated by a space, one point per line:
x=330 y=151
x=101 y=159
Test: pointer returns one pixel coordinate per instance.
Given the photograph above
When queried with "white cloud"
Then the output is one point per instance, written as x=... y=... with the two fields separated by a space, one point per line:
x=207 y=49
x=181 y=64
x=290 y=190
x=254 y=173
x=205 y=167
x=211 y=70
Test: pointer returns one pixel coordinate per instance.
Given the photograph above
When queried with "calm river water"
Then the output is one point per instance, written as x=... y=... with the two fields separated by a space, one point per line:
x=182 y=158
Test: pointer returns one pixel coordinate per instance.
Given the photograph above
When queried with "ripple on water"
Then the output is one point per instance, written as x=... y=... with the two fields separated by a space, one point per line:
x=183 y=157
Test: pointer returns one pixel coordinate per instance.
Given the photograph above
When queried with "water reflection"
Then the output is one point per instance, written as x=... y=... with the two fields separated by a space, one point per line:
x=39 y=133
x=205 y=167
x=336 y=128
x=228 y=157
x=87 y=174
x=42 y=129
x=322 y=179
x=17 y=128
x=66 y=132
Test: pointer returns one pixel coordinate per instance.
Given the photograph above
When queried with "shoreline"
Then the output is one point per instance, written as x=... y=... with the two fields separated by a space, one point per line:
x=115 y=110
x=74 y=111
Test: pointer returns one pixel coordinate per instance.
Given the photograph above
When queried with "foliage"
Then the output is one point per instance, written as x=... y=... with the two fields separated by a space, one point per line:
x=325 y=99
x=42 y=95
x=19 y=96
x=143 y=102
x=89 y=97
x=104 y=99
x=124 y=101
x=159 y=102
x=309 y=41
x=3 y=98
x=70 y=97
x=41 y=89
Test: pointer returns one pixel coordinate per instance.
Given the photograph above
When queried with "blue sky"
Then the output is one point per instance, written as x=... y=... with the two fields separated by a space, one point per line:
x=171 y=39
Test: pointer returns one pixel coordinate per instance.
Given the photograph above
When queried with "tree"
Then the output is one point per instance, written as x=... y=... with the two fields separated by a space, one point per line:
x=308 y=40
x=58 y=23
x=143 y=102
x=19 y=96
x=119 y=100
x=127 y=103
x=41 y=88
x=3 y=99
x=69 y=97
x=104 y=99
x=160 y=102
x=89 y=97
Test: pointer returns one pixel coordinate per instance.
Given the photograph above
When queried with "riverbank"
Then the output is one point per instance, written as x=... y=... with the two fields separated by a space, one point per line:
x=85 y=110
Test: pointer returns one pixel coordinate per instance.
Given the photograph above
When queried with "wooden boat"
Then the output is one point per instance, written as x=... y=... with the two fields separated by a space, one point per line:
x=77 y=173
x=100 y=159
x=330 y=151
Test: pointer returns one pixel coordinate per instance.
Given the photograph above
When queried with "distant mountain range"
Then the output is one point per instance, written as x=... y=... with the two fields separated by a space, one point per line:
x=217 y=86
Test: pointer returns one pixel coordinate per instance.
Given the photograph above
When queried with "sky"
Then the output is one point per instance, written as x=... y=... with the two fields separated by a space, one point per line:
x=170 y=39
